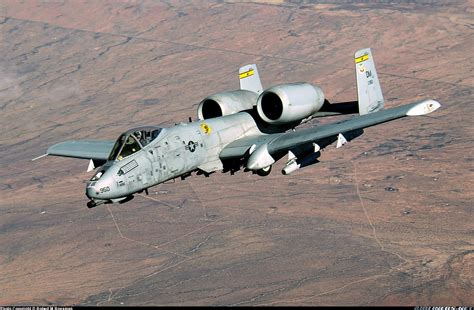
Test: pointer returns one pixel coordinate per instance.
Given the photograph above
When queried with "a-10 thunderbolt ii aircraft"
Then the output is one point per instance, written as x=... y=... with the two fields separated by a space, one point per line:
x=250 y=128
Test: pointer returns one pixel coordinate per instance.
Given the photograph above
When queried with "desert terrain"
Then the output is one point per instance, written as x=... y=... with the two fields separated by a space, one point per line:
x=385 y=220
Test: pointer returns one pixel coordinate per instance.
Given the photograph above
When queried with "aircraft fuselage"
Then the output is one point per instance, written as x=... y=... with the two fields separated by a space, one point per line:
x=250 y=127
x=178 y=150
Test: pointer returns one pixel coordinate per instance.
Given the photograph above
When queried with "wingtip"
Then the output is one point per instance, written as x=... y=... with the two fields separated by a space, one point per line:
x=424 y=107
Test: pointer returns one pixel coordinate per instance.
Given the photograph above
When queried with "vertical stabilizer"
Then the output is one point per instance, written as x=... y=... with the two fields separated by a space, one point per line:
x=369 y=92
x=249 y=79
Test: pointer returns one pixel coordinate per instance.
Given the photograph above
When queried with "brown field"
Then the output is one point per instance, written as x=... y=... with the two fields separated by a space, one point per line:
x=329 y=234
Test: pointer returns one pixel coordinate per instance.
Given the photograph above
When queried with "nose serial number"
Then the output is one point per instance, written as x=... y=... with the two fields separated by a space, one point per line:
x=104 y=189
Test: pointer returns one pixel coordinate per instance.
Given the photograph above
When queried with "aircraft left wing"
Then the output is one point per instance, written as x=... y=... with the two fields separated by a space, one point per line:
x=97 y=150
x=262 y=147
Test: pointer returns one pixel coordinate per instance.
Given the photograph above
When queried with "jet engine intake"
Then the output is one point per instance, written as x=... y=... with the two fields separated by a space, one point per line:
x=226 y=103
x=287 y=103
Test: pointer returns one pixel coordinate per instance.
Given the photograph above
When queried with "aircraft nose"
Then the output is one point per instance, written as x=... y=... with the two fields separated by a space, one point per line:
x=91 y=191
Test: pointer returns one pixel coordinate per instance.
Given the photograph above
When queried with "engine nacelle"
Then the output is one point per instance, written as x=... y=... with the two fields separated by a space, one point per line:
x=226 y=103
x=289 y=102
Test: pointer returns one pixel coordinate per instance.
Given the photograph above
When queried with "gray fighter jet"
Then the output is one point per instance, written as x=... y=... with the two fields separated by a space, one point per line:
x=248 y=128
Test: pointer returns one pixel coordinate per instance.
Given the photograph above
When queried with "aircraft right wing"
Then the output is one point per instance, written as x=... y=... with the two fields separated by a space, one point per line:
x=98 y=150
x=260 y=148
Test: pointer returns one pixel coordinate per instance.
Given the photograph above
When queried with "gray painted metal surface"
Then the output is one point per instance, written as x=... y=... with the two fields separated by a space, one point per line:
x=288 y=140
x=146 y=156
x=369 y=92
x=87 y=149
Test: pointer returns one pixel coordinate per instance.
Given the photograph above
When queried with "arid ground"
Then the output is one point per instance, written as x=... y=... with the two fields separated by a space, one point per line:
x=385 y=220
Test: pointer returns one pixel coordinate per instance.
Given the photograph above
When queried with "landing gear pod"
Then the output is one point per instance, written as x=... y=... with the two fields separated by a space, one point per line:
x=264 y=171
x=260 y=159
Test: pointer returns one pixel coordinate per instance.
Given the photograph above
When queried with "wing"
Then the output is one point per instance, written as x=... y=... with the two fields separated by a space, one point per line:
x=87 y=149
x=263 y=147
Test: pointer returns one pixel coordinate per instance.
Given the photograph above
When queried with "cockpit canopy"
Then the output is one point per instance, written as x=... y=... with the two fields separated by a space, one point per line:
x=133 y=140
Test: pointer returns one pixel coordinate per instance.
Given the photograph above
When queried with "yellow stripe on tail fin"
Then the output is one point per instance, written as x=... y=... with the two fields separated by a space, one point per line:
x=249 y=78
x=369 y=92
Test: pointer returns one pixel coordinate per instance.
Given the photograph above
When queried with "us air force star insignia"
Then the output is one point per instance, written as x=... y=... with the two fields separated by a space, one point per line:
x=191 y=146
x=205 y=128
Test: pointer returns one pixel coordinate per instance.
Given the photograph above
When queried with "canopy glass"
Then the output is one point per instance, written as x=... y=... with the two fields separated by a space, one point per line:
x=133 y=140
